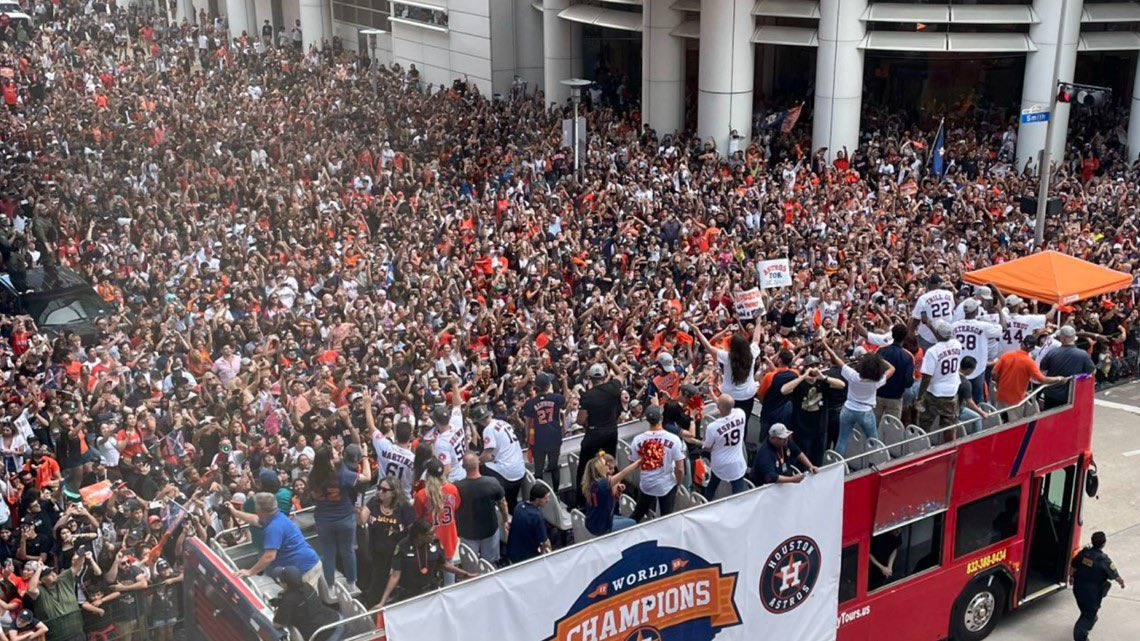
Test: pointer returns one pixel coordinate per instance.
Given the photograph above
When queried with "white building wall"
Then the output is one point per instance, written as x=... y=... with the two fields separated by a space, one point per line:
x=528 y=44
x=727 y=60
x=838 y=76
x=662 y=68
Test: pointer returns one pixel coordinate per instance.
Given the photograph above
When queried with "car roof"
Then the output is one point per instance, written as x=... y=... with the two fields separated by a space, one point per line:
x=43 y=280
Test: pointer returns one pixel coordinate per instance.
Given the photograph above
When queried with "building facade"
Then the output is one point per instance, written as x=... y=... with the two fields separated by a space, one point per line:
x=726 y=59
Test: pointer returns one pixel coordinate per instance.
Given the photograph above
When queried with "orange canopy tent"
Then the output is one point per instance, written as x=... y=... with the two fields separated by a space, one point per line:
x=1051 y=277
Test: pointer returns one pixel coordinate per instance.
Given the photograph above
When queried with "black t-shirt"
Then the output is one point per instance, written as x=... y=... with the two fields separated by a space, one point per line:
x=809 y=406
x=675 y=418
x=602 y=404
x=965 y=389
x=302 y=608
x=478 y=500
x=420 y=568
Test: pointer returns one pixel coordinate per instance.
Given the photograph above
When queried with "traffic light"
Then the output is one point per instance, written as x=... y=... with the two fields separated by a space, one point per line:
x=1064 y=94
x=1091 y=97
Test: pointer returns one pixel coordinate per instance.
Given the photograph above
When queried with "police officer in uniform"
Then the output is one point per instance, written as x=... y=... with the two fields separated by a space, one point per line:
x=1091 y=572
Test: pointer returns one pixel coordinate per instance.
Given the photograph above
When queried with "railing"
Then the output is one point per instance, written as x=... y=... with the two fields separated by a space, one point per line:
x=151 y=613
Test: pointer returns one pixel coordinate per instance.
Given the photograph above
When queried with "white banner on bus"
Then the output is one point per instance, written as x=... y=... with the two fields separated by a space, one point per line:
x=763 y=562
x=774 y=273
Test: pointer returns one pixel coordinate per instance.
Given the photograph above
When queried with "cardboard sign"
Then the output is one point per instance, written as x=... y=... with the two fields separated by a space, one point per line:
x=96 y=494
x=749 y=304
x=774 y=273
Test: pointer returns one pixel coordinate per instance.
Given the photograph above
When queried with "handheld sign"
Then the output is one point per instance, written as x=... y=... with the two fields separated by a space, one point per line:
x=774 y=273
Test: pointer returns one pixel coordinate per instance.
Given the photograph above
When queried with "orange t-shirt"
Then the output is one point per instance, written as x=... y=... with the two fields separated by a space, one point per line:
x=47 y=471
x=1013 y=371
x=444 y=520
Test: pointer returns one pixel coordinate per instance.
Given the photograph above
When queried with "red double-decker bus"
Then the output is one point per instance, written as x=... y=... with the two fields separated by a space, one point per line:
x=969 y=530
x=976 y=528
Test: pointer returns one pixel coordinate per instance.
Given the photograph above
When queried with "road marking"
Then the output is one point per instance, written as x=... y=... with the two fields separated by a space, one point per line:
x=1132 y=453
x=1113 y=405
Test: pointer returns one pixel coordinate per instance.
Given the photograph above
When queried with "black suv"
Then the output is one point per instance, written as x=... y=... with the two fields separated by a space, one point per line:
x=59 y=299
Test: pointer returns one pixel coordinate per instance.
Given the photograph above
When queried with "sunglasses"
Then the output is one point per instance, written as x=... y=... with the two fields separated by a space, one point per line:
x=385 y=489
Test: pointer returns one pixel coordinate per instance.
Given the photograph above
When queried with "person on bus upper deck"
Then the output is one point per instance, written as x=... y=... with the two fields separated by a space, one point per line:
x=938 y=391
x=937 y=304
x=1013 y=371
x=774 y=459
x=1064 y=360
x=775 y=405
x=1091 y=572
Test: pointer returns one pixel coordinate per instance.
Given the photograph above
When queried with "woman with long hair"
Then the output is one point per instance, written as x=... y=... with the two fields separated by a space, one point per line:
x=738 y=365
x=602 y=485
x=437 y=502
x=388 y=515
x=331 y=485
x=864 y=377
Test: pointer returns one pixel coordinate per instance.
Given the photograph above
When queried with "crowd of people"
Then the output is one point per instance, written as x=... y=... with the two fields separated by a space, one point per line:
x=327 y=278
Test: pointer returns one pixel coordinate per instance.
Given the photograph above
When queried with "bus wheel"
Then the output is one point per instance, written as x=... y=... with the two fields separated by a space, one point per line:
x=977 y=610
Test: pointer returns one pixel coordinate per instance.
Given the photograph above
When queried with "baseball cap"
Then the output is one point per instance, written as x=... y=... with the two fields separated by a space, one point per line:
x=970 y=305
x=353 y=455
x=597 y=370
x=942 y=329
x=480 y=412
x=1014 y=300
x=983 y=292
x=689 y=389
x=1067 y=331
x=811 y=360
x=1107 y=304
x=1029 y=340
x=653 y=414
x=934 y=279
x=32 y=566
x=858 y=351
x=665 y=360
x=238 y=497
x=24 y=617
x=440 y=414
x=153 y=518
x=779 y=430
x=543 y=380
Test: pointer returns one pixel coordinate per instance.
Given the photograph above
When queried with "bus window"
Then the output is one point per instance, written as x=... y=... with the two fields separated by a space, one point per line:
x=849 y=573
x=905 y=551
x=987 y=521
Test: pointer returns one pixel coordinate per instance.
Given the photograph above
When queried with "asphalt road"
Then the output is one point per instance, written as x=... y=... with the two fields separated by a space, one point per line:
x=1116 y=446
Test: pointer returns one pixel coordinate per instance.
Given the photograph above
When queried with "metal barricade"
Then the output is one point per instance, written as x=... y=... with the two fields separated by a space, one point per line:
x=153 y=613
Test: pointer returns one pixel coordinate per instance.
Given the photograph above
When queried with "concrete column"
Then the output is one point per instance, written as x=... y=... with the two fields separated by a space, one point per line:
x=724 y=101
x=1036 y=89
x=1134 y=117
x=237 y=17
x=326 y=15
x=662 y=68
x=254 y=29
x=312 y=23
x=838 y=76
x=528 y=45
x=561 y=51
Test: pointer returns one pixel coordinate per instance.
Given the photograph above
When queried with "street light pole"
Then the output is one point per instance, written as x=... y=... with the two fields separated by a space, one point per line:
x=576 y=85
x=1047 y=152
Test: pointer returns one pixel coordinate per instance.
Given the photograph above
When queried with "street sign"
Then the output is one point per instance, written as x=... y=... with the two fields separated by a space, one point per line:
x=1028 y=116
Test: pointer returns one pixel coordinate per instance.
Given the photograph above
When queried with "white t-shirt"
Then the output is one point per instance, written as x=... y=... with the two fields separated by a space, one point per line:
x=1018 y=327
x=860 y=393
x=941 y=363
x=108 y=450
x=727 y=386
x=658 y=452
x=394 y=460
x=449 y=448
x=974 y=335
x=938 y=305
x=507 y=460
x=724 y=438
x=994 y=344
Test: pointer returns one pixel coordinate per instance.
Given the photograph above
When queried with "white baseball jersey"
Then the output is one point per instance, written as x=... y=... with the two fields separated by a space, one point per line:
x=724 y=438
x=993 y=345
x=507 y=460
x=394 y=460
x=657 y=451
x=1019 y=326
x=449 y=448
x=938 y=305
x=974 y=335
x=941 y=362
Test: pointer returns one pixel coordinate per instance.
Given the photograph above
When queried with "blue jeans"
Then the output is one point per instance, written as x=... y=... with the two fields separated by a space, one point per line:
x=622 y=522
x=337 y=538
x=848 y=419
x=714 y=483
x=975 y=424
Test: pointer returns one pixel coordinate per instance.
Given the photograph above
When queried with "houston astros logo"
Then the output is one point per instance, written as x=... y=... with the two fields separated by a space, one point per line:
x=789 y=574
x=653 y=594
